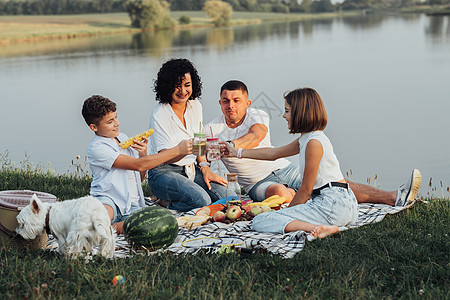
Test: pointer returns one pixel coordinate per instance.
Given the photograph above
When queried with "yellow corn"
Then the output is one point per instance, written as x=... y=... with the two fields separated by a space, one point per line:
x=138 y=137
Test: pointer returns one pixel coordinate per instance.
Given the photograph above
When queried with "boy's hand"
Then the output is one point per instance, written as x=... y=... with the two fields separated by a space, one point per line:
x=185 y=147
x=141 y=146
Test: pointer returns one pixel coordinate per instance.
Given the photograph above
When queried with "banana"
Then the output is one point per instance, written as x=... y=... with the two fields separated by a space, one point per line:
x=138 y=137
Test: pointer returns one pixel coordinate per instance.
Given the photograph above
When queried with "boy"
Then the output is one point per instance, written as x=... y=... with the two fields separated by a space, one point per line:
x=118 y=172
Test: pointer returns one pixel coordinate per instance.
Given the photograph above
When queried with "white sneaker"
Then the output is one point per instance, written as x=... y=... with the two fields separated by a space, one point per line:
x=409 y=190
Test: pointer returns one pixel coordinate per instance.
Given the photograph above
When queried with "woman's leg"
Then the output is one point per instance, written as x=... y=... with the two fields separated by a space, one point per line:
x=171 y=184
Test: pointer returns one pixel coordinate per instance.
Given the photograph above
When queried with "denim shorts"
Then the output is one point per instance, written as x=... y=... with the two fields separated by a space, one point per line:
x=289 y=176
x=118 y=217
x=333 y=206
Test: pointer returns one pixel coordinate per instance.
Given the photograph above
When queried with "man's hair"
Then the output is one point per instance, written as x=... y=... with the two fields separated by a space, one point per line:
x=95 y=108
x=307 y=110
x=233 y=85
x=171 y=75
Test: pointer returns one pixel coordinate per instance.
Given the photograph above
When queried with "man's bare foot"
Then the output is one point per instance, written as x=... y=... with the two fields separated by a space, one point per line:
x=322 y=231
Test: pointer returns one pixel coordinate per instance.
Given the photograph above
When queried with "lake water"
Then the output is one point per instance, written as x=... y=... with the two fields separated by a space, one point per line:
x=384 y=81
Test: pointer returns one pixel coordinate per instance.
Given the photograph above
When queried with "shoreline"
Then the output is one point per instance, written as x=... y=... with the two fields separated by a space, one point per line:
x=24 y=29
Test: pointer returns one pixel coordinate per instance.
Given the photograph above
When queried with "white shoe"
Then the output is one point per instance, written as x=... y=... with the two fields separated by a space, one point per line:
x=409 y=190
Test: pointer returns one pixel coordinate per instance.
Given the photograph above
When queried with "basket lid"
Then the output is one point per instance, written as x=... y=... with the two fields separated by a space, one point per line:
x=21 y=198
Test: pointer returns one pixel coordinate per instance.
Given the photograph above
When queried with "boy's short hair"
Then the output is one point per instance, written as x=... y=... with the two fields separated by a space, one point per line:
x=95 y=108
x=234 y=85
x=171 y=75
x=307 y=110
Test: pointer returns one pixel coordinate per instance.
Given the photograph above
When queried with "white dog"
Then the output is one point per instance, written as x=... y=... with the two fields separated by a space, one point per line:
x=78 y=224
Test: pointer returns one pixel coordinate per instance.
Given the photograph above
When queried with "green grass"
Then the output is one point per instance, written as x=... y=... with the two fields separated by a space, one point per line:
x=404 y=256
x=19 y=29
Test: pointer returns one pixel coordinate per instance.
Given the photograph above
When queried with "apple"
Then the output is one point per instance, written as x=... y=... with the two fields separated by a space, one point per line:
x=247 y=208
x=265 y=208
x=256 y=210
x=219 y=216
x=233 y=212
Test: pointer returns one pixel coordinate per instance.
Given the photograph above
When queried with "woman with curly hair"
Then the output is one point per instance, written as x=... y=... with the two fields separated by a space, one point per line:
x=185 y=181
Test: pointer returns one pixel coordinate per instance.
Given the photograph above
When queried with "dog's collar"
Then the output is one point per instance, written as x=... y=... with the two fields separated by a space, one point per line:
x=47 y=221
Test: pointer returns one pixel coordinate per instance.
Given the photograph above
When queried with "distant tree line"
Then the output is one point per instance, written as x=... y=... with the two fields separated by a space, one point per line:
x=56 y=7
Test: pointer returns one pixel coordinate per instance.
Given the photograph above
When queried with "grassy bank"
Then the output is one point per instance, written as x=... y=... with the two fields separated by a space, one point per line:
x=23 y=29
x=404 y=256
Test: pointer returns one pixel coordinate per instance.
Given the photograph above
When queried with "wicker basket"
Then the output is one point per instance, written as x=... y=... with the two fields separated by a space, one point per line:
x=11 y=202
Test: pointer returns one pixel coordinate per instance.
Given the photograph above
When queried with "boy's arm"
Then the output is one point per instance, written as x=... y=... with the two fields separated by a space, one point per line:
x=147 y=162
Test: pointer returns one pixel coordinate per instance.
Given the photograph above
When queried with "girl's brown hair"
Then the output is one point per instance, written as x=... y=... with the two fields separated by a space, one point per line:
x=307 y=110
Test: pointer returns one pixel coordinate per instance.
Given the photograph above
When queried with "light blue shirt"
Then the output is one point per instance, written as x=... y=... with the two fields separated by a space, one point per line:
x=109 y=181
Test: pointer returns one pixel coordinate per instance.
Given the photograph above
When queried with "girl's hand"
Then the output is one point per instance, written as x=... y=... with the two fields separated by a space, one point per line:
x=209 y=176
x=185 y=147
x=227 y=150
x=141 y=146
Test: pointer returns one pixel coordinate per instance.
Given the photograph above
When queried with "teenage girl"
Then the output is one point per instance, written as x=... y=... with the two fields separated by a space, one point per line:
x=324 y=201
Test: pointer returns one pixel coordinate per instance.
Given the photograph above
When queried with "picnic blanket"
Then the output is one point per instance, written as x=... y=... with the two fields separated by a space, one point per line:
x=285 y=245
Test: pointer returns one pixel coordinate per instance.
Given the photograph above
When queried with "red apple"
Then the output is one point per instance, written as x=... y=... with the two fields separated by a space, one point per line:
x=256 y=210
x=219 y=216
x=247 y=208
x=233 y=212
x=265 y=208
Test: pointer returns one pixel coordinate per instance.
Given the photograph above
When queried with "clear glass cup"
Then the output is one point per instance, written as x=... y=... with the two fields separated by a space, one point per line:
x=199 y=144
x=212 y=149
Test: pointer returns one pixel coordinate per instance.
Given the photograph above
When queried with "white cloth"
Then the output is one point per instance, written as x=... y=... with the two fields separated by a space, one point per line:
x=329 y=169
x=250 y=171
x=169 y=131
x=109 y=181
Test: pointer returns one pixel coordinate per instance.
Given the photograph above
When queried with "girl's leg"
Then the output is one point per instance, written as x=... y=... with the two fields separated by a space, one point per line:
x=322 y=231
x=317 y=231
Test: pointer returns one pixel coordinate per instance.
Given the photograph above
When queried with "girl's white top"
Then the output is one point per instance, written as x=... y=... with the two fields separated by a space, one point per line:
x=169 y=131
x=329 y=169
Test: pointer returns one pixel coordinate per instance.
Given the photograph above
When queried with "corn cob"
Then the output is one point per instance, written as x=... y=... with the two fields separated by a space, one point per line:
x=138 y=137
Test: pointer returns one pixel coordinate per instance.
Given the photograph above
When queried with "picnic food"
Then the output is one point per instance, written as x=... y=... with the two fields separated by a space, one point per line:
x=138 y=137
x=152 y=227
x=219 y=216
x=273 y=201
x=191 y=222
x=233 y=212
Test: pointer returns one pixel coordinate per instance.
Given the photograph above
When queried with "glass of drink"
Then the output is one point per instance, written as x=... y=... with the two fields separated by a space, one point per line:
x=233 y=191
x=199 y=144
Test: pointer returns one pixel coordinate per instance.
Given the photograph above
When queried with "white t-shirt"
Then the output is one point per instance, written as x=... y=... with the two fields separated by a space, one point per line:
x=329 y=169
x=250 y=171
x=169 y=131
x=113 y=182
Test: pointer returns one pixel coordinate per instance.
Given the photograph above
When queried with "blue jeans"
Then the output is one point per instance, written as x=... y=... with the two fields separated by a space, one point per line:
x=169 y=182
x=333 y=206
x=289 y=176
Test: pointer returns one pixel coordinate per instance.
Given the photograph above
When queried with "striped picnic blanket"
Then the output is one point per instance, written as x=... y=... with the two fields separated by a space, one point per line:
x=285 y=245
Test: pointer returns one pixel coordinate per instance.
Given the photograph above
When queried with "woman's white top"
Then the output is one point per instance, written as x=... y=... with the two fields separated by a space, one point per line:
x=169 y=131
x=329 y=169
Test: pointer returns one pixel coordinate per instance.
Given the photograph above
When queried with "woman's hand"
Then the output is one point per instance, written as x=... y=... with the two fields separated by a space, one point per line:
x=185 y=147
x=209 y=176
x=141 y=146
x=227 y=150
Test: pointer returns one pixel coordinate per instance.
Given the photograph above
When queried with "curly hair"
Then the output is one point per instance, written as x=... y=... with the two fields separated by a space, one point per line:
x=95 y=108
x=171 y=75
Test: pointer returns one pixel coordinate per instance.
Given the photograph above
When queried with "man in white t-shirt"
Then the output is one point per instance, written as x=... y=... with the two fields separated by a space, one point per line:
x=247 y=128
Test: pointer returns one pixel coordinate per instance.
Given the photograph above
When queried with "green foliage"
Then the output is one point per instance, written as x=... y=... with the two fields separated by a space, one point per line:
x=184 y=20
x=149 y=14
x=219 y=11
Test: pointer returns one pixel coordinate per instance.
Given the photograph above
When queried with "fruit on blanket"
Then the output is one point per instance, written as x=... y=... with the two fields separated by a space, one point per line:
x=256 y=210
x=138 y=137
x=265 y=208
x=152 y=227
x=247 y=208
x=204 y=211
x=233 y=212
x=219 y=216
